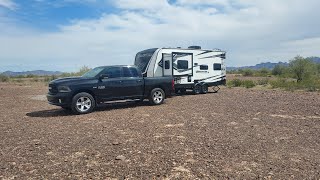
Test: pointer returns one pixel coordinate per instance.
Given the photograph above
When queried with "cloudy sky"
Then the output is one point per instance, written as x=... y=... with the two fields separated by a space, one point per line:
x=67 y=34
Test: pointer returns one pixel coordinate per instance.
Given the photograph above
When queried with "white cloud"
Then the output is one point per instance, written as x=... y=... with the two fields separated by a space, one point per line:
x=8 y=4
x=250 y=31
x=147 y=5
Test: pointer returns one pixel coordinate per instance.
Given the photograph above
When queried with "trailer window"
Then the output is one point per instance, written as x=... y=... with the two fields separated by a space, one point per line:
x=183 y=64
x=167 y=64
x=217 y=67
x=143 y=58
x=204 y=67
x=130 y=72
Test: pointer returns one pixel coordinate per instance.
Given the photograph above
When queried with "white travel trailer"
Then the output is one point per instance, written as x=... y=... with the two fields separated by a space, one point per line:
x=192 y=68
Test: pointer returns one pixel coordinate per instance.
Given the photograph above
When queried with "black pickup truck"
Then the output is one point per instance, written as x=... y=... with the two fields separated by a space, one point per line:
x=107 y=83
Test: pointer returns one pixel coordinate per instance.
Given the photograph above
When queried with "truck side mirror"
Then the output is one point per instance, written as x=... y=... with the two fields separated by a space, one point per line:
x=103 y=76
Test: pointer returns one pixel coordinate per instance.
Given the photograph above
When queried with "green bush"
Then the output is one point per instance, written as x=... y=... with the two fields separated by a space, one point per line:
x=248 y=84
x=240 y=83
x=301 y=68
x=247 y=72
x=82 y=71
x=31 y=76
x=290 y=85
x=50 y=78
x=234 y=83
x=279 y=70
x=4 y=78
x=262 y=82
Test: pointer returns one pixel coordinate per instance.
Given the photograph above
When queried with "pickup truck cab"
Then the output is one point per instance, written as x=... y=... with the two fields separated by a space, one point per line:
x=107 y=83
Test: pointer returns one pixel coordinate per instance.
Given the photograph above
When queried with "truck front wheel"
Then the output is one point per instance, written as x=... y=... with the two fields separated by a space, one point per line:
x=83 y=103
x=157 y=96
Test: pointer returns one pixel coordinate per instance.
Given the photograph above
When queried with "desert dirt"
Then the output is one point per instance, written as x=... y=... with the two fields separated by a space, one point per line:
x=236 y=133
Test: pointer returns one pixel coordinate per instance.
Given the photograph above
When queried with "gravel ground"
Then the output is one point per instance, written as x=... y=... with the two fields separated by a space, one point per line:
x=236 y=133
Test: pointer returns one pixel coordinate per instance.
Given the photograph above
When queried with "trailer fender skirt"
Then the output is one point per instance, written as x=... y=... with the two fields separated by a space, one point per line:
x=199 y=83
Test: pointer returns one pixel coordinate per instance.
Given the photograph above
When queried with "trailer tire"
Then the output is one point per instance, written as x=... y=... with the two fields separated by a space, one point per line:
x=83 y=103
x=204 y=89
x=180 y=91
x=197 y=89
x=183 y=91
x=157 y=96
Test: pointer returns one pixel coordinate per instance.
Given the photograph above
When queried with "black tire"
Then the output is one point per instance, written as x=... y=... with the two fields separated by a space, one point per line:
x=157 y=96
x=183 y=91
x=197 y=89
x=83 y=103
x=204 y=89
x=180 y=91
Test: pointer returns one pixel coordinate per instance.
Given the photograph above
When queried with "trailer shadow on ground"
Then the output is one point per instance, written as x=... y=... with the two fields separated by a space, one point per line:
x=105 y=107
x=190 y=93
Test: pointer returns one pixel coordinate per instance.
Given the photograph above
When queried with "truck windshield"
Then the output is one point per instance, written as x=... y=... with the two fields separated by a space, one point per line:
x=93 y=72
x=143 y=58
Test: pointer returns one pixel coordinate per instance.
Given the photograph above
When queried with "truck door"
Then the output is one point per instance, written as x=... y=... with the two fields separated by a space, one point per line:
x=166 y=64
x=108 y=88
x=132 y=83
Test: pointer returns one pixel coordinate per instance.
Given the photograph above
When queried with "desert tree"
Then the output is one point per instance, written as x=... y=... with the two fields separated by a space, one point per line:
x=278 y=70
x=301 y=68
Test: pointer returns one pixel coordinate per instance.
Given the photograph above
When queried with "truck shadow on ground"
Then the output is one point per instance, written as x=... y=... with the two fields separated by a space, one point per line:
x=105 y=107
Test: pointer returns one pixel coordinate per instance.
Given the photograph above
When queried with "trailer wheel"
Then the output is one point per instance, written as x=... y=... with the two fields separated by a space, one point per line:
x=83 y=103
x=197 y=89
x=157 y=96
x=183 y=91
x=180 y=91
x=204 y=89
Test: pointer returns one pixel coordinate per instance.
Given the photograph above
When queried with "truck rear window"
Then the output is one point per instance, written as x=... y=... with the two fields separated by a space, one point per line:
x=130 y=72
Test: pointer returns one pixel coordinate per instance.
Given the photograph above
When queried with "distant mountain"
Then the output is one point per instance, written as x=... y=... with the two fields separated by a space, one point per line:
x=36 y=72
x=315 y=59
x=267 y=65
x=270 y=65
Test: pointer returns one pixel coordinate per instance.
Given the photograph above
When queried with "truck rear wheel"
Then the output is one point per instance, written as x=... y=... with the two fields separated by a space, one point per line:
x=157 y=96
x=83 y=103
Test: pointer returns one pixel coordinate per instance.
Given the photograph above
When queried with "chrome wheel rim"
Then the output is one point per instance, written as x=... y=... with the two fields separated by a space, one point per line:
x=83 y=104
x=157 y=97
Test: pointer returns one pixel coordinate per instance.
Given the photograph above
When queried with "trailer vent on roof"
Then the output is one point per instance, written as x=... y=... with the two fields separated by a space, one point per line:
x=194 y=47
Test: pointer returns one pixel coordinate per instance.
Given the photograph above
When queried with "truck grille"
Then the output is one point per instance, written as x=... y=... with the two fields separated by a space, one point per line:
x=53 y=89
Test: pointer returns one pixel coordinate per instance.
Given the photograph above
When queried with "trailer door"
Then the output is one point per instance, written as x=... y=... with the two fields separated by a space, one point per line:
x=182 y=64
x=166 y=64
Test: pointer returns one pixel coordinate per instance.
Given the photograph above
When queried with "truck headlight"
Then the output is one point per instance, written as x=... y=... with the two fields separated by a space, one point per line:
x=64 y=89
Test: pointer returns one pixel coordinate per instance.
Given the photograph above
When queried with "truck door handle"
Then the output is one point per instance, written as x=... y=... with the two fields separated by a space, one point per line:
x=139 y=81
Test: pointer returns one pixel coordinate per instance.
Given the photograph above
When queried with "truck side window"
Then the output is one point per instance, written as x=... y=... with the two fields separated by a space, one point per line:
x=112 y=72
x=130 y=72
x=167 y=64
x=183 y=64
x=217 y=67
x=204 y=67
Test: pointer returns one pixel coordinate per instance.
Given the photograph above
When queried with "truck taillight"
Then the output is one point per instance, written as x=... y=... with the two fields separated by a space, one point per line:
x=172 y=83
